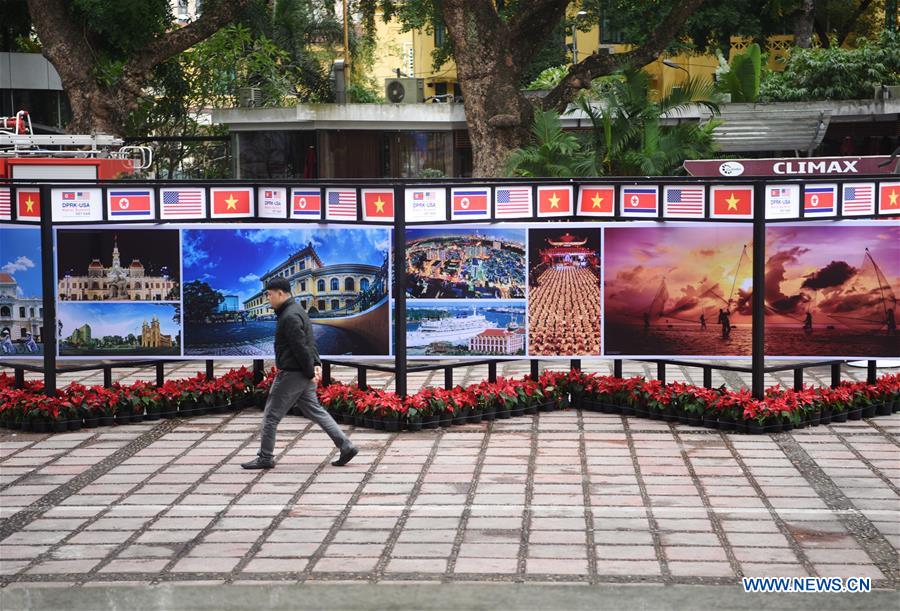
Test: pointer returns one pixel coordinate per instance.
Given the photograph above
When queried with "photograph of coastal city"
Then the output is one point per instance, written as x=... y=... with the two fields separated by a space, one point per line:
x=118 y=265
x=448 y=328
x=481 y=263
x=123 y=330
x=339 y=275
x=831 y=290
x=21 y=307
x=674 y=290
x=564 y=292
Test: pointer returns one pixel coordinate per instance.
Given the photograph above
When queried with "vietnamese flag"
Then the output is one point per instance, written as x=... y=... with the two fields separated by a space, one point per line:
x=378 y=205
x=231 y=202
x=732 y=201
x=28 y=206
x=596 y=201
x=889 y=198
x=554 y=201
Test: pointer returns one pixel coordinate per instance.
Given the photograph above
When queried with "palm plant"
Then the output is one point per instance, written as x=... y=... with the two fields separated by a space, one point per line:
x=554 y=153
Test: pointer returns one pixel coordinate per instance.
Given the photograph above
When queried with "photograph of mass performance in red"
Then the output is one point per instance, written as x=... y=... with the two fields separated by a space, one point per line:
x=831 y=290
x=678 y=290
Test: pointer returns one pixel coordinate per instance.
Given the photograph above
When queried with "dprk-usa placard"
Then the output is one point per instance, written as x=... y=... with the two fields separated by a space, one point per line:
x=782 y=201
x=426 y=204
x=76 y=204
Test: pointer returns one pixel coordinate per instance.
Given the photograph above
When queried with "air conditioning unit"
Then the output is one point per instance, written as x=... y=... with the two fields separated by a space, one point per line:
x=404 y=90
x=249 y=97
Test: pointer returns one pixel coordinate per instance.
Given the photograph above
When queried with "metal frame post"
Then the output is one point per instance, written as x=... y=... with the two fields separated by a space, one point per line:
x=758 y=343
x=399 y=283
x=617 y=368
x=535 y=369
x=258 y=371
x=48 y=287
x=871 y=372
x=210 y=369
x=160 y=374
x=661 y=371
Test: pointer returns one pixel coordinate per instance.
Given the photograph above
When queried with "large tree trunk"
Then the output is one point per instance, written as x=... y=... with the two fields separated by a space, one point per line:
x=490 y=55
x=95 y=107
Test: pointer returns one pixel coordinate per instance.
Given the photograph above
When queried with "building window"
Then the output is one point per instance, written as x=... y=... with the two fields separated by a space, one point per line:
x=5 y=311
x=303 y=303
x=364 y=284
x=349 y=284
x=22 y=332
x=440 y=35
x=320 y=286
x=335 y=304
x=335 y=284
x=610 y=34
x=321 y=305
x=21 y=312
x=31 y=312
x=303 y=285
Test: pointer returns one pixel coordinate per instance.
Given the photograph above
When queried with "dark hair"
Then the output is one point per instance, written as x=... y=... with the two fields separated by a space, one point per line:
x=279 y=284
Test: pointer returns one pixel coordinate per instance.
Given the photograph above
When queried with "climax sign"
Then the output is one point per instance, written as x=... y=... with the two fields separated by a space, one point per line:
x=812 y=166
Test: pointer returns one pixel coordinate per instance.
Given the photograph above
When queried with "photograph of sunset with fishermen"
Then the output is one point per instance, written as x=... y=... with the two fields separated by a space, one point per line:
x=678 y=290
x=831 y=290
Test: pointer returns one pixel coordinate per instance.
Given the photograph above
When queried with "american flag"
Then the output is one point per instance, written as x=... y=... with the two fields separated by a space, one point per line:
x=859 y=199
x=5 y=206
x=341 y=204
x=183 y=202
x=684 y=201
x=513 y=201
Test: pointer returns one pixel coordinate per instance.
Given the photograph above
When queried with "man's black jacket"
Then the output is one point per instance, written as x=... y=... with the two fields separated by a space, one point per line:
x=295 y=343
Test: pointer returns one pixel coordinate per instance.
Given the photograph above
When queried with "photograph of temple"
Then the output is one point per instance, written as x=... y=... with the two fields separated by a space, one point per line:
x=149 y=275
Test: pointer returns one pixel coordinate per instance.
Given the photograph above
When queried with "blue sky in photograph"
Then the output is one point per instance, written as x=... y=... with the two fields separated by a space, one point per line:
x=115 y=318
x=20 y=257
x=515 y=235
x=233 y=260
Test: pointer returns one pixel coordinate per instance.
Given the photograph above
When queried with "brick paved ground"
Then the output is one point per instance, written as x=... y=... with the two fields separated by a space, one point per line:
x=560 y=497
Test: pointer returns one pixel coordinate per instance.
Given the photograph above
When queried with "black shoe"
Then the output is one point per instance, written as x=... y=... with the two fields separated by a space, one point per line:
x=346 y=456
x=259 y=463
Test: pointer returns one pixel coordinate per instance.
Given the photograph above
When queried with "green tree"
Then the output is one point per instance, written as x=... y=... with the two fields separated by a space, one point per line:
x=200 y=301
x=742 y=78
x=107 y=53
x=627 y=137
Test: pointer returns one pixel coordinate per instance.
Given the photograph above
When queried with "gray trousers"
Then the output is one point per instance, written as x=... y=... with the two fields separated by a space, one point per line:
x=290 y=388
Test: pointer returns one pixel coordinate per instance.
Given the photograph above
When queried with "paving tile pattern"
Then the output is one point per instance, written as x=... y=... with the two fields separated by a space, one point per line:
x=558 y=497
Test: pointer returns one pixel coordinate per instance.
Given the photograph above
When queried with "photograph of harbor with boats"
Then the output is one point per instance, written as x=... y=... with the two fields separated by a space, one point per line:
x=831 y=291
x=678 y=290
x=449 y=328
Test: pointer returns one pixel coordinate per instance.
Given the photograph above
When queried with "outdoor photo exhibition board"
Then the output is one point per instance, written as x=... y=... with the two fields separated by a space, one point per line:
x=502 y=290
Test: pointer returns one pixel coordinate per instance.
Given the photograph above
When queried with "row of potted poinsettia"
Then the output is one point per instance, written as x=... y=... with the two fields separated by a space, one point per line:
x=781 y=410
x=78 y=406
x=436 y=407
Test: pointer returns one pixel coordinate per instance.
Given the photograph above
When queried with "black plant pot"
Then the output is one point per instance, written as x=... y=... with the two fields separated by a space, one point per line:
x=626 y=410
x=518 y=411
x=123 y=419
x=547 y=406
x=710 y=423
x=75 y=425
x=380 y=424
x=754 y=427
x=475 y=416
x=489 y=415
x=815 y=418
x=826 y=416
x=14 y=424
x=445 y=420
x=869 y=411
x=58 y=426
x=502 y=414
x=726 y=423
x=839 y=416
x=414 y=425
x=107 y=420
x=392 y=425
x=855 y=414
x=741 y=426
x=530 y=410
x=461 y=417
x=430 y=422
x=787 y=425
x=884 y=409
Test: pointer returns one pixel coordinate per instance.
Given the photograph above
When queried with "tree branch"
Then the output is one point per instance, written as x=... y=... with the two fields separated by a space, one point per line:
x=581 y=74
x=172 y=43
x=851 y=22
x=62 y=42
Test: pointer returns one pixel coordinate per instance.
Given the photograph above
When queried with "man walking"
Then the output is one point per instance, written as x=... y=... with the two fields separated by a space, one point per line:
x=299 y=372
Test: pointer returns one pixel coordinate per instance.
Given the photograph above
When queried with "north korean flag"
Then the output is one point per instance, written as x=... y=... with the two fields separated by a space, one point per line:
x=596 y=201
x=378 y=205
x=640 y=201
x=306 y=203
x=129 y=203
x=231 y=202
x=470 y=202
x=28 y=204
x=736 y=202
x=819 y=200
x=554 y=201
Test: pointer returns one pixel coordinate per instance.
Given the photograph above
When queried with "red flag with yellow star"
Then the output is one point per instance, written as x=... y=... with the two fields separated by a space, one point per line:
x=231 y=203
x=889 y=198
x=732 y=201
x=554 y=201
x=596 y=200
x=378 y=204
x=28 y=205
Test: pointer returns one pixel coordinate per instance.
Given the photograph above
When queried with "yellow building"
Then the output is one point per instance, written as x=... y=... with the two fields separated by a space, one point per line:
x=411 y=53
